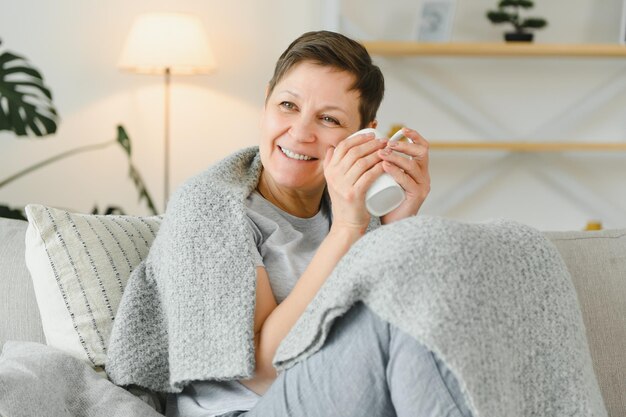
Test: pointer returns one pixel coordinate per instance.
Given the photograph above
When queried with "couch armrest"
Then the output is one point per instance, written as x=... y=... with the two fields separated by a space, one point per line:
x=19 y=315
x=597 y=263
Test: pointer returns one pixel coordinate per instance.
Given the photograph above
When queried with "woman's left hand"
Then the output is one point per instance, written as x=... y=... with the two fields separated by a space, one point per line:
x=412 y=174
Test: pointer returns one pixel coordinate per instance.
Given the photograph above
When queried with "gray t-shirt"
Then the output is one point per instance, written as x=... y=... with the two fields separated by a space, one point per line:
x=284 y=245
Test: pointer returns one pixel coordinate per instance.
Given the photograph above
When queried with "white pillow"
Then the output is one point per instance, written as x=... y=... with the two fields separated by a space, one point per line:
x=79 y=264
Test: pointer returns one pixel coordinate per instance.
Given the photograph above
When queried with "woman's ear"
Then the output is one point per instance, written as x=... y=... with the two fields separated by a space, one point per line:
x=373 y=124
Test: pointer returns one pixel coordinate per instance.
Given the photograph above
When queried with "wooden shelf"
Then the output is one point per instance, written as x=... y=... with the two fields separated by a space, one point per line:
x=530 y=146
x=408 y=48
x=502 y=49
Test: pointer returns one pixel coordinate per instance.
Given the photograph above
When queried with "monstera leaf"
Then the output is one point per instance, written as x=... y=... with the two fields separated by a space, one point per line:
x=26 y=106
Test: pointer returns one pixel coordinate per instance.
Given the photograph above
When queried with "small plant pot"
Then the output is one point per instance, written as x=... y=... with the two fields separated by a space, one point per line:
x=518 y=37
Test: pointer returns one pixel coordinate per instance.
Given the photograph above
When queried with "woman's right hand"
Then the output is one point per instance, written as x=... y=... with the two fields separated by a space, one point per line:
x=350 y=169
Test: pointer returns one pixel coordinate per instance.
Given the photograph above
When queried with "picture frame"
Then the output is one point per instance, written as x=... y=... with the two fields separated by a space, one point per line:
x=435 y=20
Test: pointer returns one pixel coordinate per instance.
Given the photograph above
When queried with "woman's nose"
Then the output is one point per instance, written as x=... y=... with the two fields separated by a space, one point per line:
x=303 y=130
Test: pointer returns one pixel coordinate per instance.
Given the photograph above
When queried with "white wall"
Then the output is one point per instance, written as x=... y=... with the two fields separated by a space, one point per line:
x=76 y=46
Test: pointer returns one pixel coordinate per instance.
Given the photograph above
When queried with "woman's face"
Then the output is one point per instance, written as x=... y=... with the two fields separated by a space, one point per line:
x=311 y=109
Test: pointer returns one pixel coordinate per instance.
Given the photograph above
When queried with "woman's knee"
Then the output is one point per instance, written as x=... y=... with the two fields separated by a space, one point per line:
x=361 y=323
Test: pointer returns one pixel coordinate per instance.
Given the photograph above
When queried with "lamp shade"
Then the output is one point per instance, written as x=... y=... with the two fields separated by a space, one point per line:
x=159 y=41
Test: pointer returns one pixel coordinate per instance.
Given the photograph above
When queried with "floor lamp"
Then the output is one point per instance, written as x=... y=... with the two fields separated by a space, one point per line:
x=166 y=44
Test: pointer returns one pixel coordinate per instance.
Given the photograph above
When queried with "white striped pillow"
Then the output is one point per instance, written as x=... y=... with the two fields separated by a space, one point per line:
x=79 y=264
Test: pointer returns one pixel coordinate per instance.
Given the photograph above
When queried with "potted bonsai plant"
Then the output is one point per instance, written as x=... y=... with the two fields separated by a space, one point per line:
x=509 y=12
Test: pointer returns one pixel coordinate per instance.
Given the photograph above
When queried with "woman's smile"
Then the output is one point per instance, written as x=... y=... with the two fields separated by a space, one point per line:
x=294 y=155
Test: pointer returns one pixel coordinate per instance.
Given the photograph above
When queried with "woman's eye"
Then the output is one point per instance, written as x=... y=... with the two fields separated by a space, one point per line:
x=331 y=120
x=287 y=105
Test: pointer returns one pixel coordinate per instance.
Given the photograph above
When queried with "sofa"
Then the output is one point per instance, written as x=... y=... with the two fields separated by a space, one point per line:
x=596 y=261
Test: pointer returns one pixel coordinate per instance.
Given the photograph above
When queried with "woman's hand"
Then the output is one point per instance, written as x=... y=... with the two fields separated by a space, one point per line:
x=412 y=174
x=350 y=169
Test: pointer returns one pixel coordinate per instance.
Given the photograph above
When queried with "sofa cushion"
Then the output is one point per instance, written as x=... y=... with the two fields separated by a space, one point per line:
x=597 y=263
x=19 y=315
x=79 y=264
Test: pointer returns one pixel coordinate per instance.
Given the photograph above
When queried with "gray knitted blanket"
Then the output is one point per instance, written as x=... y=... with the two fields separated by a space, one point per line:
x=494 y=300
x=187 y=312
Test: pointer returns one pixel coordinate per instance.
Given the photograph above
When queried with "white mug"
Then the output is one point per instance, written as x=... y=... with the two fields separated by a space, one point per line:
x=385 y=194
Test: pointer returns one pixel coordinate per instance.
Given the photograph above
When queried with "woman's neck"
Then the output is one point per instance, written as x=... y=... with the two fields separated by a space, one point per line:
x=297 y=203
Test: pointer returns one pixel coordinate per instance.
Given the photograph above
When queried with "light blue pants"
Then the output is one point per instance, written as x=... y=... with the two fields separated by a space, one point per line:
x=366 y=367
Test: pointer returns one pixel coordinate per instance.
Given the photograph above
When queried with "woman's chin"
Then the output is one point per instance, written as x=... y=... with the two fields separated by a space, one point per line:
x=295 y=174
x=297 y=179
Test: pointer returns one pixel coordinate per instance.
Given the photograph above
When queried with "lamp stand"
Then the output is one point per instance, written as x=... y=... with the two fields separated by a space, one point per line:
x=166 y=145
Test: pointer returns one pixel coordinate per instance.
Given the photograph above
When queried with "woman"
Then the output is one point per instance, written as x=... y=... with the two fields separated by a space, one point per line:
x=324 y=89
x=245 y=246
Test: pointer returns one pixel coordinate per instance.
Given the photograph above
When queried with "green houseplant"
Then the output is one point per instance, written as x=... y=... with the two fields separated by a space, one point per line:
x=27 y=109
x=509 y=12
x=27 y=106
